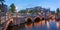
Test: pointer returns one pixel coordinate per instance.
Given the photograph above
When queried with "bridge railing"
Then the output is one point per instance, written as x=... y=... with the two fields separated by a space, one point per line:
x=5 y=18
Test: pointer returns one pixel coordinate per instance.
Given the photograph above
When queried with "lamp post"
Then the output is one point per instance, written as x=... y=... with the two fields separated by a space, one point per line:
x=0 y=16
x=16 y=16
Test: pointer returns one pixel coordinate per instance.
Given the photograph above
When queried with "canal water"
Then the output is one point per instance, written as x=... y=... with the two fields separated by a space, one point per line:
x=41 y=25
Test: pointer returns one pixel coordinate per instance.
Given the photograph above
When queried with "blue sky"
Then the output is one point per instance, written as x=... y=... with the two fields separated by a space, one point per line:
x=22 y=4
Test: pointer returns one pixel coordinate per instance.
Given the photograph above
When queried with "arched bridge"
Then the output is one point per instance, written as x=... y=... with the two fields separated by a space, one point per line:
x=16 y=20
x=7 y=23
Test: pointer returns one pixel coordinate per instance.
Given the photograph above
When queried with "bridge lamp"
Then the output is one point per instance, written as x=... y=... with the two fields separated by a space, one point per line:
x=0 y=16
x=16 y=13
x=16 y=8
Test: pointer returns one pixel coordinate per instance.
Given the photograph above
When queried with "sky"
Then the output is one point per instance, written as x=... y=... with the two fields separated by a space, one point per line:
x=22 y=4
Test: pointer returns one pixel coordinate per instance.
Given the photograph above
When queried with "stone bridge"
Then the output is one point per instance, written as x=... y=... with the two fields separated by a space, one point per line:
x=23 y=19
x=7 y=23
x=17 y=20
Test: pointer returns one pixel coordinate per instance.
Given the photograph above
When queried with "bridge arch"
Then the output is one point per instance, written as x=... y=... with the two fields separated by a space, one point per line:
x=9 y=26
x=43 y=18
x=37 y=18
x=28 y=20
x=8 y=23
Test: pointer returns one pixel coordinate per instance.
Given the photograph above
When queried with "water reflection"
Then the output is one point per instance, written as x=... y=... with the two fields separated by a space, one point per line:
x=47 y=23
x=58 y=25
x=41 y=25
x=28 y=25
x=37 y=24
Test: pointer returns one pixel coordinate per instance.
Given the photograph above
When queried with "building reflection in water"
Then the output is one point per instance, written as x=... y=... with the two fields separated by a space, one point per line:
x=37 y=24
x=41 y=25
x=57 y=25
x=28 y=26
x=48 y=25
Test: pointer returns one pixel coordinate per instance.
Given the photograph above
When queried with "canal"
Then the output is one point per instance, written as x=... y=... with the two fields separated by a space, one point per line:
x=41 y=25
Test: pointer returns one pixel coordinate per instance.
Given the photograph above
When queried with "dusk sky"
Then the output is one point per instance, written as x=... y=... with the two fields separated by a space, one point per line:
x=22 y=4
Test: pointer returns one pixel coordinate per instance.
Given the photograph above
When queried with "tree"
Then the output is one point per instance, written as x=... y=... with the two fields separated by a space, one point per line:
x=13 y=8
x=30 y=11
x=2 y=1
x=58 y=10
x=35 y=10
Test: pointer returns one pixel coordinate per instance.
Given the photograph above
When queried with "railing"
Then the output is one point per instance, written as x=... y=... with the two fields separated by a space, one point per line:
x=5 y=18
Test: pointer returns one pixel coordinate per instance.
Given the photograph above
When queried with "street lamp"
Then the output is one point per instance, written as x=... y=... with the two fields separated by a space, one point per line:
x=0 y=16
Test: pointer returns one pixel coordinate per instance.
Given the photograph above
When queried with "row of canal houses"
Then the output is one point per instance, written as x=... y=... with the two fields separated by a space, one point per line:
x=43 y=12
x=3 y=12
x=3 y=9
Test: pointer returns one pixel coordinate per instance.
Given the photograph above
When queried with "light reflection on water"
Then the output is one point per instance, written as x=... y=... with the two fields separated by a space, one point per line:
x=47 y=23
x=28 y=27
x=58 y=25
x=42 y=25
